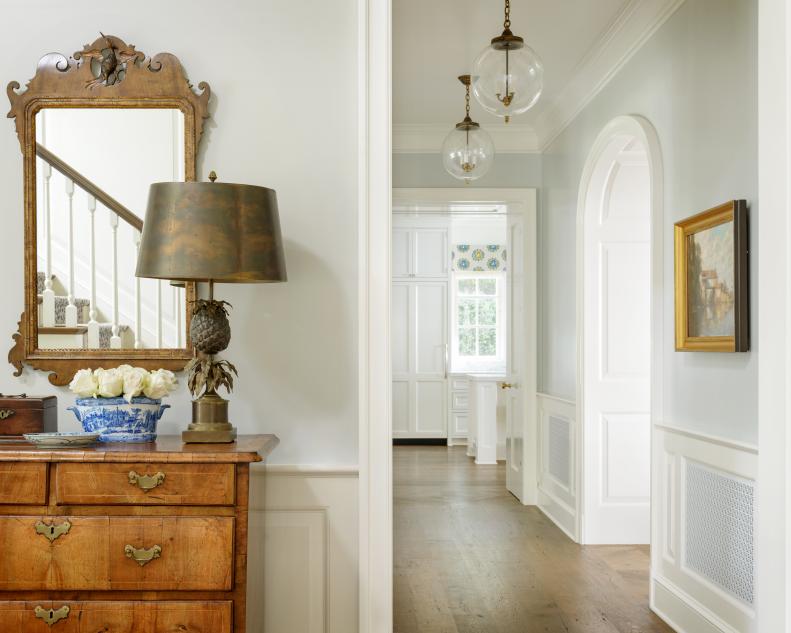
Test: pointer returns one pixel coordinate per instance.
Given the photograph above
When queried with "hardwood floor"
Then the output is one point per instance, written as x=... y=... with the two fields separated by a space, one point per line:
x=469 y=558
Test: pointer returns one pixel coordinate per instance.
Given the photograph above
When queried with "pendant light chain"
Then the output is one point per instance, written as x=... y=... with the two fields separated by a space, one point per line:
x=507 y=23
x=467 y=101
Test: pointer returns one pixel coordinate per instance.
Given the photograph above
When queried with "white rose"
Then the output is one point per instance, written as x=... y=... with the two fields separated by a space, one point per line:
x=160 y=383
x=110 y=383
x=124 y=369
x=135 y=380
x=84 y=384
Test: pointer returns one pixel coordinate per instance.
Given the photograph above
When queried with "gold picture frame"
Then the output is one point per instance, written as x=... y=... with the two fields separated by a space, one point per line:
x=712 y=280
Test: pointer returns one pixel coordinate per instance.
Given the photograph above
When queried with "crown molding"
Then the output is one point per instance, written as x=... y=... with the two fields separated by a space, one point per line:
x=508 y=138
x=632 y=28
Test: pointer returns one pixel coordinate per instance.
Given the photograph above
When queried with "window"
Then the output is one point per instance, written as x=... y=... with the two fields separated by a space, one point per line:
x=478 y=322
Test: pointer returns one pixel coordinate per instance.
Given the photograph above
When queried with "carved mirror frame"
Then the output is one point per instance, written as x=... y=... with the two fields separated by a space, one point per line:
x=134 y=81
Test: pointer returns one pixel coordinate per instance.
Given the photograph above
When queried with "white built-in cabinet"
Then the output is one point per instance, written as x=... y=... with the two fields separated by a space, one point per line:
x=420 y=253
x=419 y=330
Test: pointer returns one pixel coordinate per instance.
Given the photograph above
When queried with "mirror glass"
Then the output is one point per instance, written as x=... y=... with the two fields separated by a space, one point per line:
x=93 y=170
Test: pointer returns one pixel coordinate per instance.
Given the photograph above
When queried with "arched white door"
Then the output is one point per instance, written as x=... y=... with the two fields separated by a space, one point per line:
x=615 y=346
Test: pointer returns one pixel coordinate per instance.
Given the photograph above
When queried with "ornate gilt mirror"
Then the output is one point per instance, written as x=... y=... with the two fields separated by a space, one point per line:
x=96 y=129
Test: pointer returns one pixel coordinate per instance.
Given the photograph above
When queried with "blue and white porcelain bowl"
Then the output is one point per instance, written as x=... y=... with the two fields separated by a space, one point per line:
x=118 y=420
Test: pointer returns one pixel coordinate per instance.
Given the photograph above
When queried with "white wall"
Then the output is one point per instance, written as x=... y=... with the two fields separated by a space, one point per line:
x=695 y=81
x=284 y=83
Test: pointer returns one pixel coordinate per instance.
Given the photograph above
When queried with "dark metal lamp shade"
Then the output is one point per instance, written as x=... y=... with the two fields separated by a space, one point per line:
x=201 y=231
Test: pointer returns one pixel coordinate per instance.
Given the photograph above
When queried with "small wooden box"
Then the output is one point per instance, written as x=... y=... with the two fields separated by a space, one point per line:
x=28 y=414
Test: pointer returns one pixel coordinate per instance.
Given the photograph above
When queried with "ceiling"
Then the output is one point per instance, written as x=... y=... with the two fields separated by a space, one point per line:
x=434 y=41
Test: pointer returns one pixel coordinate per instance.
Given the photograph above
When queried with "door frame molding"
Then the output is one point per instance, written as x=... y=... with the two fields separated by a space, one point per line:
x=374 y=85
x=640 y=128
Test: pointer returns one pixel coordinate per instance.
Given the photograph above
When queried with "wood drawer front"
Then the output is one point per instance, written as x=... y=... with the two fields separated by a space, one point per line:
x=109 y=484
x=196 y=554
x=120 y=617
x=23 y=483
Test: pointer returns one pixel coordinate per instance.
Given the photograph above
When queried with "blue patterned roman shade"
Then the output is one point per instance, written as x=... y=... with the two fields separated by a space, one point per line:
x=478 y=258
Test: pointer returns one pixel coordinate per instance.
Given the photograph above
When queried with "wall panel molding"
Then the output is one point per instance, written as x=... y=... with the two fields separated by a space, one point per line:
x=703 y=542
x=303 y=549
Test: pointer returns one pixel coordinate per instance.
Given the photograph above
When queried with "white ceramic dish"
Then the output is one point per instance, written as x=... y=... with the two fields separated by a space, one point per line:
x=62 y=440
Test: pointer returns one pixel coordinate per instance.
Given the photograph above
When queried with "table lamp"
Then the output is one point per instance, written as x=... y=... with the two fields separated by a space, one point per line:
x=215 y=233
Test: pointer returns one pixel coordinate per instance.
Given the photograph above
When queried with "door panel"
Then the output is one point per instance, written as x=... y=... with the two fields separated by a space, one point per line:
x=616 y=339
x=401 y=407
x=512 y=397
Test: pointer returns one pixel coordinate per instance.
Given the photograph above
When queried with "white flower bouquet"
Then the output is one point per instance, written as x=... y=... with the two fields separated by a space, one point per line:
x=124 y=380
x=124 y=403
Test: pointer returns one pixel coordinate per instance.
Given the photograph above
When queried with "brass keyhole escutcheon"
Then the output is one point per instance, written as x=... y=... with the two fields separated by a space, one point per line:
x=52 y=532
x=51 y=616
x=146 y=482
x=143 y=556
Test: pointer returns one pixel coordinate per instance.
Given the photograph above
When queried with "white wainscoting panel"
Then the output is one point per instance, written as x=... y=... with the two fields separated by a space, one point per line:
x=702 y=558
x=557 y=479
x=303 y=541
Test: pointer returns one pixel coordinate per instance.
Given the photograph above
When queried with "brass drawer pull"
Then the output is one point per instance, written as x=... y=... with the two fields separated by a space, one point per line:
x=6 y=413
x=143 y=556
x=146 y=482
x=52 y=531
x=50 y=616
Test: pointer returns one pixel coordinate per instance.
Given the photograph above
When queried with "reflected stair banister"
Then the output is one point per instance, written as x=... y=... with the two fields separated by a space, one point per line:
x=87 y=185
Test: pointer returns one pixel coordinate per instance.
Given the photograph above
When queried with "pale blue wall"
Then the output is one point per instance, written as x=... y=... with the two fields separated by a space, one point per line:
x=426 y=170
x=695 y=80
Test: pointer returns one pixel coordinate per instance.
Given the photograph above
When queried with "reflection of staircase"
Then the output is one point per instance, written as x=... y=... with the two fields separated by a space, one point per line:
x=61 y=336
x=68 y=321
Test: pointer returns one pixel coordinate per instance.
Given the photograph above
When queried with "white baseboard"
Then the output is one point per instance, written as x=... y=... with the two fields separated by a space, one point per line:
x=303 y=550
x=682 y=612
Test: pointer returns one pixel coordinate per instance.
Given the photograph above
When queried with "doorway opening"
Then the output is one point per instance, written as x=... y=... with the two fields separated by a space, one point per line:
x=463 y=325
x=618 y=332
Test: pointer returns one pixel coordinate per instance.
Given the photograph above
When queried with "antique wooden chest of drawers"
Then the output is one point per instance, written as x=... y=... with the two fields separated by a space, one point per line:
x=126 y=538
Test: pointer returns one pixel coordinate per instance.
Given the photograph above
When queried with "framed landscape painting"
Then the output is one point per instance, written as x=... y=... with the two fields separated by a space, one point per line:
x=712 y=280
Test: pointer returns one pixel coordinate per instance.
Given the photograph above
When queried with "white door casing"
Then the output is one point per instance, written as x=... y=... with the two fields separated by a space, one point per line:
x=617 y=332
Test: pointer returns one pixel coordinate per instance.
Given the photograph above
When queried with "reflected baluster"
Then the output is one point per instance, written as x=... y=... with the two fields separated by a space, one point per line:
x=138 y=325
x=159 y=314
x=48 y=296
x=93 y=324
x=71 y=308
x=115 y=339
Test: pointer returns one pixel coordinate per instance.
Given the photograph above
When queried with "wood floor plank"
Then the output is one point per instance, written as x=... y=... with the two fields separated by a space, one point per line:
x=469 y=558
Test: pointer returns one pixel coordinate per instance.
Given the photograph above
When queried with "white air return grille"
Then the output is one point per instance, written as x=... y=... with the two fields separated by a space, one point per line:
x=559 y=446
x=719 y=529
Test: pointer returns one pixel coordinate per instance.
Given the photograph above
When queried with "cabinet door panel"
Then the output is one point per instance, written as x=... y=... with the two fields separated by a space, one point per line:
x=431 y=328
x=430 y=401
x=431 y=253
x=400 y=328
x=401 y=253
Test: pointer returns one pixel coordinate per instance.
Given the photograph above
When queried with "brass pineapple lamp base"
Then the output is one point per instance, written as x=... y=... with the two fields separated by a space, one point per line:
x=209 y=421
x=207 y=232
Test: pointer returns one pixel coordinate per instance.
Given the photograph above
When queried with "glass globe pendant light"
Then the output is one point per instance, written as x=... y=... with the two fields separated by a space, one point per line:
x=468 y=151
x=508 y=76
